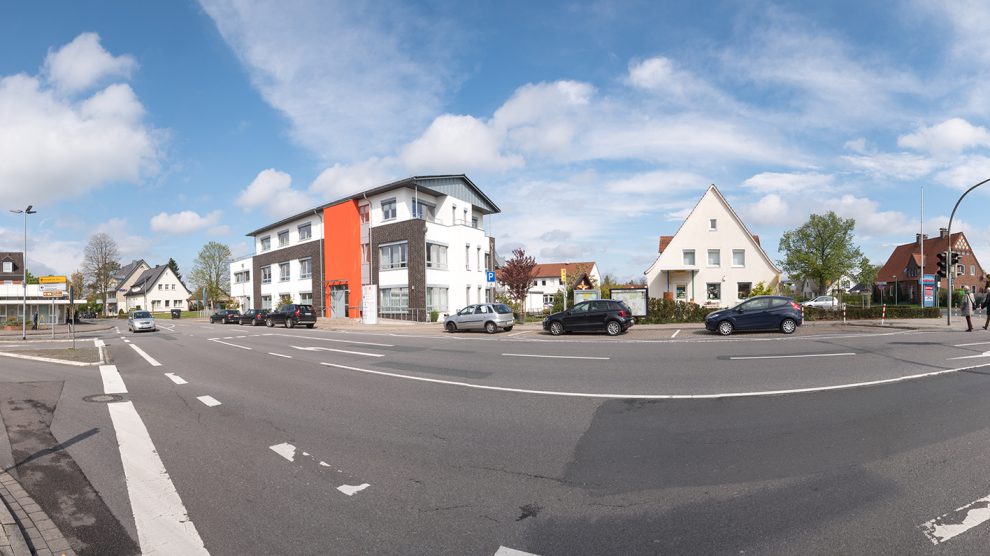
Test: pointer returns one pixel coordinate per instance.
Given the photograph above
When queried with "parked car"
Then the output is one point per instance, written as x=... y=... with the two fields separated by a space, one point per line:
x=254 y=317
x=141 y=320
x=763 y=312
x=483 y=316
x=823 y=301
x=608 y=315
x=292 y=314
x=226 y=316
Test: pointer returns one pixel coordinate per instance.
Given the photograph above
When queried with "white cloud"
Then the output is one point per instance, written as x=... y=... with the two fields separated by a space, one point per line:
x=84 y=63
x=968 y=171
x=771 y=210
x=898 y=166
x=272 y=190
x=660 y=181
x=946 y=139
x=869 y=219
x=341 y=180
x=183 y=222
x=462 y=143
x=767 y=182
x=130 y=245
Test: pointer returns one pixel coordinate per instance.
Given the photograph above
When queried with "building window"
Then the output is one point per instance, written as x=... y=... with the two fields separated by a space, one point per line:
x=745 y=289
x=159 y=287
x=547 y=299
x=436 y=256
x=242 y=277
x=305 y=231
x=283 y=272
x=394 y=300
x=305 y=268
x=680 y=292
x=423 y=210
x=714 y=257
x=712 y=224
x=266 y=301
x=960 y=270
x=8 y=266
x=474 y=221
x=266 y=275
x=689 y=257
x=738 y=257
x=478 y=261
x=714 y=290
x=543 y=282
x=392 y=256
x=306 y=298
x=166 y=303
x=436 y=299
x=972 y=270
x=467 y=258
x=388 y=209
x=488 y=261
x=266 y=243
x=364 y=213
x=467 y=295
x=283 y=238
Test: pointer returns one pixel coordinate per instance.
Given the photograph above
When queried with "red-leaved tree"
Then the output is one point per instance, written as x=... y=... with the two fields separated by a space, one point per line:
x=517 y=275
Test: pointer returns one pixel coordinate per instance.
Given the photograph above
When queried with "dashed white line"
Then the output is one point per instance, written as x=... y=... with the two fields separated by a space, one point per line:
x=279 y=355
x=554 y=356
x=147 y=357
x=332 y=340
x=290 y=453
x=972 y=344
x=228 y=343
x=984 y=354
x=113 y=383
x=674 y=335
x=318 y=348
x=176 y=378
x=286 y=450
x=351 y=490
x=789 y=356
x=506 y=551
x=517 y=333
x=209 y=401
x=957 y=522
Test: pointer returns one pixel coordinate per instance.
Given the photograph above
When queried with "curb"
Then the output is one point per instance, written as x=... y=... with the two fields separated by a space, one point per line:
x=25 y=526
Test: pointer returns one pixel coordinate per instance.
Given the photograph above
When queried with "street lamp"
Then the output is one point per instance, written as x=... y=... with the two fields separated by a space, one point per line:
x=25 y=212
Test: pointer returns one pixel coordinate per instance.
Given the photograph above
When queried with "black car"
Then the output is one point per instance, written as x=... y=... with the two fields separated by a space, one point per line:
x=254 y=317
x=292 y=314
x=226 y=316
x=763 y=312
x=614 y=317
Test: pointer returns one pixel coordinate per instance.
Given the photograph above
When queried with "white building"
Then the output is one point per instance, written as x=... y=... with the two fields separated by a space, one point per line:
x=546 y=281
x=125 y=278
x=713 y=259
x=156 y=289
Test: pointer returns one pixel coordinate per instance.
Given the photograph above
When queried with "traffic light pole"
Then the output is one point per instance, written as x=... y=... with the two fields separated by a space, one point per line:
x=948 y=314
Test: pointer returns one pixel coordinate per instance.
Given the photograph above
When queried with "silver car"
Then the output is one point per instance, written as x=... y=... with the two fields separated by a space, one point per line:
x=141 y=320
x=483 y=316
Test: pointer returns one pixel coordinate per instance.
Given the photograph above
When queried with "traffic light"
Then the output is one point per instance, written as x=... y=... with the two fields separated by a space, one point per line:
x=942 y=266
x=955 y=263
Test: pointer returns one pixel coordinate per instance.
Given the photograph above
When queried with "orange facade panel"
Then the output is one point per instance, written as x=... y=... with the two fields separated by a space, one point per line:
x=342 y=254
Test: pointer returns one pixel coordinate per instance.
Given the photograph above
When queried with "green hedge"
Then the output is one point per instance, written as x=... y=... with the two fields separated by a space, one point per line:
x=875 y=312
x=661 y=311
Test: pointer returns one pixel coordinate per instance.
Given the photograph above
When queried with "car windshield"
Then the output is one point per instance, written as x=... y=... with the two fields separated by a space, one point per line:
x=142 y=315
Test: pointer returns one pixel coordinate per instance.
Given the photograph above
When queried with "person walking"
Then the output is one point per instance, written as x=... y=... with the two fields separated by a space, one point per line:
x=34 y=325
x=968 y=303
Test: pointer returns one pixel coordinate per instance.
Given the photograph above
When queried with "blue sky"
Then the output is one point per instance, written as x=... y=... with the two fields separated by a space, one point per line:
x=595 y=126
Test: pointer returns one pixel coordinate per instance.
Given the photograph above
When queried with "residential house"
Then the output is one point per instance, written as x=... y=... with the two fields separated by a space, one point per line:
x=808 y=288
x=899 y=276
x=546 y=282
x=404 y=240
x=11 y=268
x=712 y=259
x=156 y=289
x=124 y=278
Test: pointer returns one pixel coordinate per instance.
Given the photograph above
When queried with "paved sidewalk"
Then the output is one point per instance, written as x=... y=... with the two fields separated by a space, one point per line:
x=28 y=528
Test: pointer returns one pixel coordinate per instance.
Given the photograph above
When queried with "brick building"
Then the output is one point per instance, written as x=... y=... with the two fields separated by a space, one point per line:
x=904 y=267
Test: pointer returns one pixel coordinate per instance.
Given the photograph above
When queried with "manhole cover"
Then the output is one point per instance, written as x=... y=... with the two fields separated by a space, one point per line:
x=103 y=398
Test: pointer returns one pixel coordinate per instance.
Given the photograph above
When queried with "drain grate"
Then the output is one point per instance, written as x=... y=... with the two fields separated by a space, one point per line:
x=103 y=398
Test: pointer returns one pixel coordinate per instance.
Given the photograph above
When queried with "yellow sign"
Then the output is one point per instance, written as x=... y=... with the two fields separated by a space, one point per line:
x=53 y=293
x=563 y=275
x=52 y=280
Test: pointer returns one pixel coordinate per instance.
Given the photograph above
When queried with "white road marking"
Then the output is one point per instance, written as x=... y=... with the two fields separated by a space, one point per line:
x=176 y=378
x=674 y=335
x=147 y=357
x=113 y=383
x=553 y=356
x=286 y=450
x=162 y=522
x=127 y=341
x=973 y=344
x=123 y=338
x=210 y=401
x=789 y=356
x=664 y=396
x=333 y=340
x=317 y=348
x=506 y=551
x=280 y=355
x=516 y=333
x=957 y=522
x=228 y=344
x=352 y=490
x=984 y=354
x=98 y=343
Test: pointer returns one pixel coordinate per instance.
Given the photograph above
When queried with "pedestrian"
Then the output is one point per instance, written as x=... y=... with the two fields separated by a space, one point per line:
x=968 y=303
x=34 y=326
x=986 y=306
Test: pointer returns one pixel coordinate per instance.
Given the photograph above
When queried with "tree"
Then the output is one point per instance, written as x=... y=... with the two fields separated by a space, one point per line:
x=211 y=270
x=761 y=288
x=517 y=275
x=175 y=268
x=78 y=282
x=821 y=249
x=867 y=274
x=31 y=278
x=101 y=261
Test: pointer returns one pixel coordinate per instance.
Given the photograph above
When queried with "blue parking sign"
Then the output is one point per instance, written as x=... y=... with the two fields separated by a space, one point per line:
x=490 y=275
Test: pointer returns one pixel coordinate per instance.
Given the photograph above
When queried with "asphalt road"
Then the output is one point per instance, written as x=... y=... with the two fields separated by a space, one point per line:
x=420 y=442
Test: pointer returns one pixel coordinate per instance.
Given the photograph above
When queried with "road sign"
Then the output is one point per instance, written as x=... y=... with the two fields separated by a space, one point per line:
x=53 y=293
x=490 y=276
x=56 y=287
x=52 y=280
x=928 y=279
x=563 y=275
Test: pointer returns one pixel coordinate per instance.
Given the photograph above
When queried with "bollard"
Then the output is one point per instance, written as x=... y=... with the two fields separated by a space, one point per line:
x=883 y=314
x=843 y=314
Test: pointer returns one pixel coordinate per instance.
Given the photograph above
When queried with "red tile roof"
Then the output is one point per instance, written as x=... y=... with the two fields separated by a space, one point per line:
x=553 y=269
x=893 y=269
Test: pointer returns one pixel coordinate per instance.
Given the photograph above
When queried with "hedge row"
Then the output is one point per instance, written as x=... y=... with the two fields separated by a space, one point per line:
x=663 y=311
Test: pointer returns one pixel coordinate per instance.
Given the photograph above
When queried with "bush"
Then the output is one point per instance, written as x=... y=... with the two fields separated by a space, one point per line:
x=660 y=311
x=434 y=315
x=875 y=312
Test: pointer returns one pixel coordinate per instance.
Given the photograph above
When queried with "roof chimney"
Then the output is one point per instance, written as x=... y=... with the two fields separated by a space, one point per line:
x=920 y=237
x=943 y=233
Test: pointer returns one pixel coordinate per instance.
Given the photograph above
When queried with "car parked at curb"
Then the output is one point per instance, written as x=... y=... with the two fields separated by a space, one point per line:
x=489 y=317
x=763 y=312
x=226 y=316
x=823 y=302
x=141 y=320
x=254 y=317
x=600 y=315
x=291 y=315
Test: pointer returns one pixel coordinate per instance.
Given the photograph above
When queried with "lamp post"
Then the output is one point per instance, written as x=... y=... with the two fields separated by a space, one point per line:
x=948 y=253
x=25 y=212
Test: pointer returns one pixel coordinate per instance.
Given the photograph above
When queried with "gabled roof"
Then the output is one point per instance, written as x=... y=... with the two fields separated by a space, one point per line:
x=902 y=254
x=146 y=281
x=127 y=270
x=553 y=269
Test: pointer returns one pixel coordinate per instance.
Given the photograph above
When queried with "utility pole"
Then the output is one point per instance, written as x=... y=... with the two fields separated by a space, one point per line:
x=25 y=212
x=948 y=315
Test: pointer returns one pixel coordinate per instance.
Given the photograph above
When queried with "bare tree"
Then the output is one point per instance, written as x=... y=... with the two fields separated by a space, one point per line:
x=101 y=261
x=517 y=275
x=211 y=270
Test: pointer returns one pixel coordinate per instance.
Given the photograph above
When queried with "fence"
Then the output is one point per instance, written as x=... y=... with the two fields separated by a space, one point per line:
x=412 y=314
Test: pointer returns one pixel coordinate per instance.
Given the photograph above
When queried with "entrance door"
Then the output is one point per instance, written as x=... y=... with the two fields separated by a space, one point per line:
x=338 y=302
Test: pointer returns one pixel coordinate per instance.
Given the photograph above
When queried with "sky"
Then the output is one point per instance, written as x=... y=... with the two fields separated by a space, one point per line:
x=594 y=126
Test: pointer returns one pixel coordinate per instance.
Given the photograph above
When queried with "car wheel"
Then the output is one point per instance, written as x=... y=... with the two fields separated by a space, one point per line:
x=788 y=326
x=725 y=328
x=613 y=328
x=290 y=323
x=556 y=328
x=508 y=329
x=310 y=325
x=269 y=322
x=451 y=327
x=490 y=327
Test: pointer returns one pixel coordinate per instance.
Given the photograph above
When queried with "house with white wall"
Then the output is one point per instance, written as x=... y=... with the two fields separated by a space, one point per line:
x=125 y=278
x=157 y=289
x=713 y=259
x=287 y=263
x=547 y=282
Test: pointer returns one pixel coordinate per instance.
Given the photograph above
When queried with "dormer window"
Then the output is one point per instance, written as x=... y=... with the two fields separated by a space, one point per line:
x=8 y=266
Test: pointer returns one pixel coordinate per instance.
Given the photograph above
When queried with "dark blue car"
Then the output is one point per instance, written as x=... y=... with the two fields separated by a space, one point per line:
x=763 y=312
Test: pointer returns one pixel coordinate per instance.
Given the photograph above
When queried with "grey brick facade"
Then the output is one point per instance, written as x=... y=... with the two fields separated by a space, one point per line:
x=313 y=249
x=414 y=233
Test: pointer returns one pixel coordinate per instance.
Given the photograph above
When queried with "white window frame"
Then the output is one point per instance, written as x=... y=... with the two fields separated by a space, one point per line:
x=403 y=262
x=684 y=256
x=8 y=266
x=389 y=209
x=718 y=287
x=718 y=258
x=437 y=260
x=712 y=224
x=281 y=235
x=266 y=270
x=303 y=273
x=742 y=253
x=308 y=229
x=266 y=244
x=284 y=272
